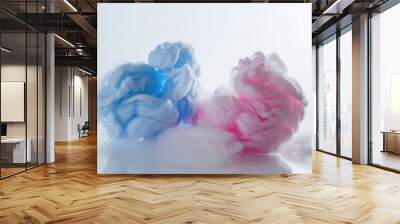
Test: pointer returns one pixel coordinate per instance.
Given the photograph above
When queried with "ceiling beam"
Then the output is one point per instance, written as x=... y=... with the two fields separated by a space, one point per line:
x=81 y=61
x=86 y=26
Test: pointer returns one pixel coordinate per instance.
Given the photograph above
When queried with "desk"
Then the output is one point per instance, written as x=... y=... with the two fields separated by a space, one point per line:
x=15 y=148
x=391 y=141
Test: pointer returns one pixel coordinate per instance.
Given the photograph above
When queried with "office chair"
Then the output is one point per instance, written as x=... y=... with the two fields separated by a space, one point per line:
x=84 y=130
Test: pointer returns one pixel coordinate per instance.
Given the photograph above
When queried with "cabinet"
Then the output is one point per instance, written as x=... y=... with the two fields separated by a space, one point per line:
x=391 y=142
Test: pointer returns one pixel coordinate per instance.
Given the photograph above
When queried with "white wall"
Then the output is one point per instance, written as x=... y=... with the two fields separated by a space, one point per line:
x=33 y=126
x=79 y=115
x=16 y=72
x=61 y=103
x=70 y=83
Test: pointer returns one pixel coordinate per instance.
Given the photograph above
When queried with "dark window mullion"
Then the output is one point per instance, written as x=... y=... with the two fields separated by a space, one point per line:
x=338 y=82
x=0 y=96
x=317 y=95
x=37 y=90
x=369 y=90
x=26 y=87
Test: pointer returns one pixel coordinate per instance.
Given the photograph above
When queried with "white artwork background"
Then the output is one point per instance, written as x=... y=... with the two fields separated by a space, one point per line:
x=221 y=34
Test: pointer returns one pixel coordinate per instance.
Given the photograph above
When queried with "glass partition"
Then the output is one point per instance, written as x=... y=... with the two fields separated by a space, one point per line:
x=14 y=153
x=32 y=97
x=327 y=97
x=346 y=94
x=22 y=78
x=41 y=97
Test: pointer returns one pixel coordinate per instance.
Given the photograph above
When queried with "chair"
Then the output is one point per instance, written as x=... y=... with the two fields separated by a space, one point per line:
x=84 y=130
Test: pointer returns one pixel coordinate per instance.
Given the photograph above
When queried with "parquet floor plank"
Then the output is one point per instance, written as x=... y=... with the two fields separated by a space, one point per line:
x=70 y=191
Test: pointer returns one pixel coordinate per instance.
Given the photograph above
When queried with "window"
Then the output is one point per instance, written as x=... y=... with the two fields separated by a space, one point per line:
x=327 y=97
x=346 y=94
x=385 y=89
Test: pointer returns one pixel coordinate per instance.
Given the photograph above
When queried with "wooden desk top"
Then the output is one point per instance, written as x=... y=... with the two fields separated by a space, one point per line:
x=391 y=132
x=13 y=140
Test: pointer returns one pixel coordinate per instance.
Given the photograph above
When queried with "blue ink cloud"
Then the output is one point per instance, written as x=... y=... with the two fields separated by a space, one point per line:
x=141 y=100
x=177 y=61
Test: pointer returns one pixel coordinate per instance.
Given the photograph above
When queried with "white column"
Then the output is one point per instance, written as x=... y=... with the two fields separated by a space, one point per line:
x=50 y=100
x=360 y=90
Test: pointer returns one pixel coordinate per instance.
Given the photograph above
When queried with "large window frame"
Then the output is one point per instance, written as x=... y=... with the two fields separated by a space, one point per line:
x=335 y=37
x=387 y=5
x=381 y=9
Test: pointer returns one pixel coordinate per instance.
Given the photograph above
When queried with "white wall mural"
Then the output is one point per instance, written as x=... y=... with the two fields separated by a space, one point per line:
x=204 y=88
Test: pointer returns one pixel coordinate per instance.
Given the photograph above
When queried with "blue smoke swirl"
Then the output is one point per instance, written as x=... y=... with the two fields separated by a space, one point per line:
x=141 y=100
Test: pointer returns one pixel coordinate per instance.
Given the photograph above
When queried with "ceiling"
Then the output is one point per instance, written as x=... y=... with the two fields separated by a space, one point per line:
x=75 y=22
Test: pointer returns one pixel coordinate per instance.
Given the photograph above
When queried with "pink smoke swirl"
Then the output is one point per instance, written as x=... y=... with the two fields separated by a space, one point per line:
x=262 y=108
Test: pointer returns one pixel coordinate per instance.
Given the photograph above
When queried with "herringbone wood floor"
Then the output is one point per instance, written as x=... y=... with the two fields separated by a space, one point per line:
x=70 y=191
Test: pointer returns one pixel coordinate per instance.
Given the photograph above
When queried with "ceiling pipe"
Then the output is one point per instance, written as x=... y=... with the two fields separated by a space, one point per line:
x=337 y=7
x=5 y=49
x=70 y=6
x=66 y=42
